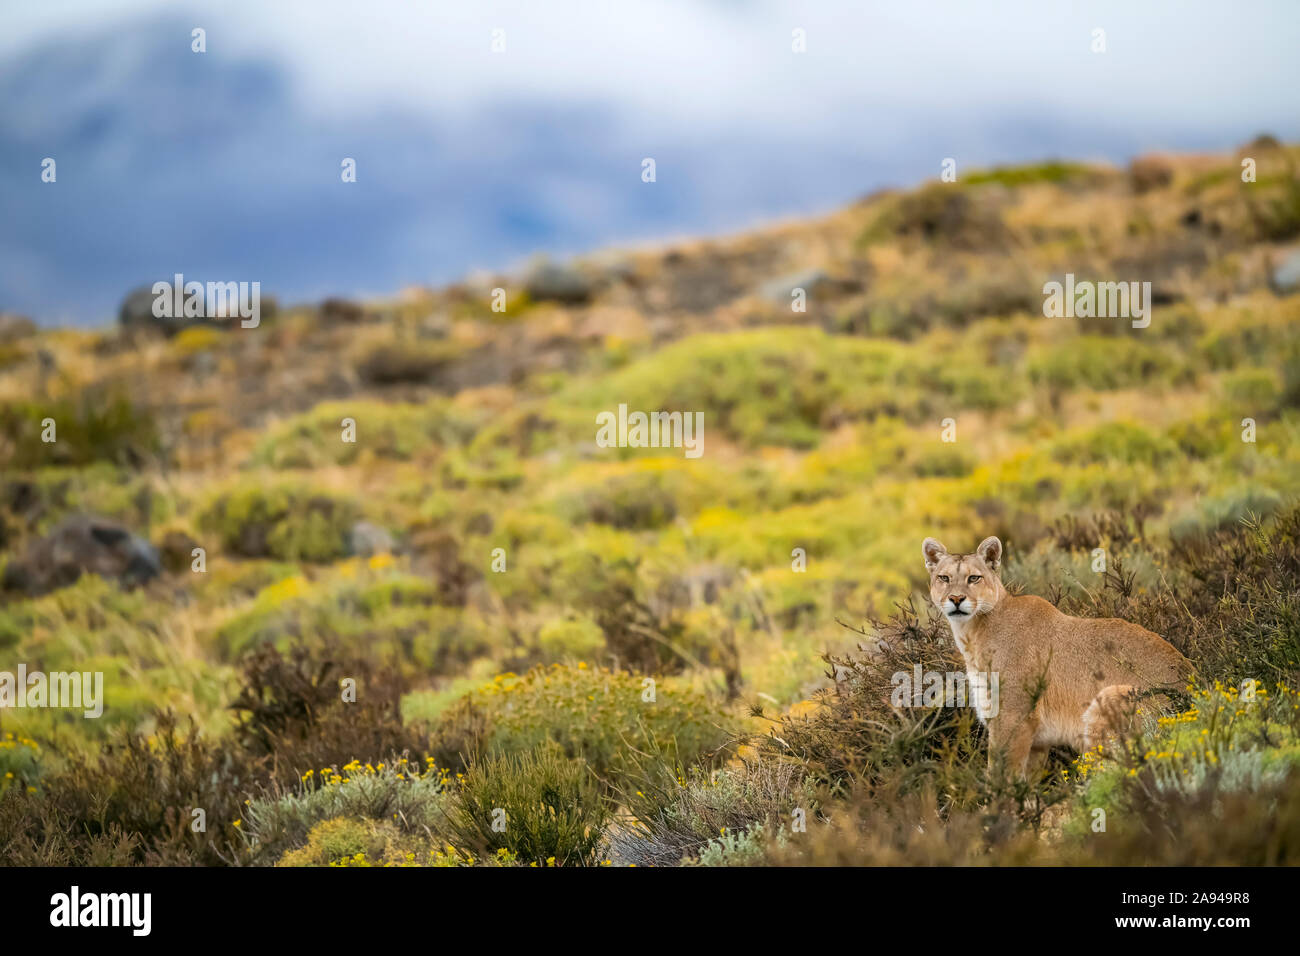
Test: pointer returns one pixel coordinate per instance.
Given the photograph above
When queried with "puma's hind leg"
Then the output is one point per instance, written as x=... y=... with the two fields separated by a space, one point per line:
x=1110 y=715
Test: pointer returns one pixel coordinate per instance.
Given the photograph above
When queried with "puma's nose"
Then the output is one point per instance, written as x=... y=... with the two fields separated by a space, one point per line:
x=956 y=599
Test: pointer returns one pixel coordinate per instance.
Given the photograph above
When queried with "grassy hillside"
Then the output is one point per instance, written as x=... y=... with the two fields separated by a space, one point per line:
x=628 y=648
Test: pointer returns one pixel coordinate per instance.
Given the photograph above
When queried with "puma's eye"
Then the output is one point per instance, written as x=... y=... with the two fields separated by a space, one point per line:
x=973 y=578
x=943 y=578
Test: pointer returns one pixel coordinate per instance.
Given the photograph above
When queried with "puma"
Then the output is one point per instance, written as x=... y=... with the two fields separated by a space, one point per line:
x=1063 y=680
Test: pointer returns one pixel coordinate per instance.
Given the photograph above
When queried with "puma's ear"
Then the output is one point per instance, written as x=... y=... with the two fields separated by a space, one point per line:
x=990 y=550
x=932 y=550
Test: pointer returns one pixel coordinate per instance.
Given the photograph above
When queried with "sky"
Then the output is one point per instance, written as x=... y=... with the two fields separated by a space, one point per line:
x=225 y=165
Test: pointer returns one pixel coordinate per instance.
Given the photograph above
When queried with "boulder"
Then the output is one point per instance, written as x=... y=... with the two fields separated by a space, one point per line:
x=366 y=539
x=815 y=283
x=548 y=281
x=136 y=314
x=1147 y=173
x=341 y=311
x=77 y=545
x=1286 y=273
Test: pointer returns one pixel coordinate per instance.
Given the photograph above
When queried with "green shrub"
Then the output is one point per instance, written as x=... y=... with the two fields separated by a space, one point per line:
x=1254 y=389
x=1230 y=757
x=1102 y=363
x=1276 y=212
x=93 y=625
x=738 y=848
x=595 y=714
x=395 y=432
x=571 y=638
x=937 y=213
x=1225 y=510
x=398 y=793
x=20 y=761
x=89 y=428
x=396 y=619
x=1114 y=442
x=538 y=806
x=284 y=520
x=1053 y=171
x=132 y=803
x=635 y=501
x=941 y=460
x=773 y=386
x=340 y=842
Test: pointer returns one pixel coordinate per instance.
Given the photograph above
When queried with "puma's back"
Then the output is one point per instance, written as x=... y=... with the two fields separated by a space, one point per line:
x=1092 y=652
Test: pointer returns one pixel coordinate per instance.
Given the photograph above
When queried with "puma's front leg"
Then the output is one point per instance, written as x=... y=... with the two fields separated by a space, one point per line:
x=1012 y=739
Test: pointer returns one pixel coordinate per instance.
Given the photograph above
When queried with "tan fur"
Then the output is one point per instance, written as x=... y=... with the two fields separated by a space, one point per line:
x=1062 y=680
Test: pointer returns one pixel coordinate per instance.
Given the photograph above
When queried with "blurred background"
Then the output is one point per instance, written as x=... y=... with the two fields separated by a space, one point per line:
x=226 y=164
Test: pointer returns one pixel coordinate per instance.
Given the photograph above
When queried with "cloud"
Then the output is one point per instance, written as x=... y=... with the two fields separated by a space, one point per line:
x=226 y=164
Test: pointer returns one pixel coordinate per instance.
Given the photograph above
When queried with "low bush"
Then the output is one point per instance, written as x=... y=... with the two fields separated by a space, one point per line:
x=306 y=708
x=89 y=428
x=599 y=715
x=678 y=814
x=171 y=798
x=386 y=431
x=406 y=798
x=281 y=519
x=537 y=806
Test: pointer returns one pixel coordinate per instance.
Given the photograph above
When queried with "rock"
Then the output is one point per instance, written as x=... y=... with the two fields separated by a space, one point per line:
x=341 y=310
x=366 y=539
x=403 y=364
x=614 y=266
x=548 y=281
x=815 y=283
x=14 y=327
x=1146 y=173
x=82 y=544
x=1286 y=274
x=136 y=314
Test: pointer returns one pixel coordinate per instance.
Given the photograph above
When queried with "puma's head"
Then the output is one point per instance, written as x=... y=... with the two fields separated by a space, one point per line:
x=963 y=585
